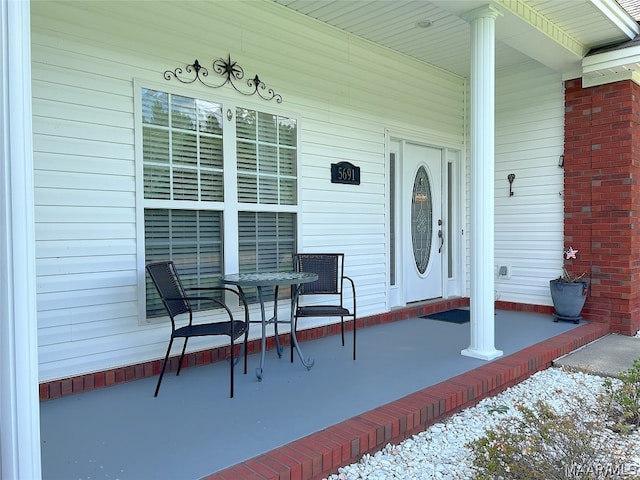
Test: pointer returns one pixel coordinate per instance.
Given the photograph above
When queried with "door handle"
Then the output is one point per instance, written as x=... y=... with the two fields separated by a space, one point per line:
x=441 y=237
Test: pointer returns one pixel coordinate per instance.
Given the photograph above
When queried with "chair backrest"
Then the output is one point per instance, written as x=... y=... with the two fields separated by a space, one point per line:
x=167 y=282
x=328 y=266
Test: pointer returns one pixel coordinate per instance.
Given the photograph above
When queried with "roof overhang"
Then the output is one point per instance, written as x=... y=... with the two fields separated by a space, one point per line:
x=612 y=66
x=556 y=33
x=619 y=17
x=528 y=31
x=535 y=35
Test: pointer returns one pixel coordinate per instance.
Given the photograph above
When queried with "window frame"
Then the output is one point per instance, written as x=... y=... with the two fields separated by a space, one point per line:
x=230 y=206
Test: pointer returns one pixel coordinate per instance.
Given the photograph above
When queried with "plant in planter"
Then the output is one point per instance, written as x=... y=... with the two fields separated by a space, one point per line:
x=568 y=292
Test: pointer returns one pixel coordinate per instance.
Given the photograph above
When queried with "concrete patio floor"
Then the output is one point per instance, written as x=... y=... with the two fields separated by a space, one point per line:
x=295 y=423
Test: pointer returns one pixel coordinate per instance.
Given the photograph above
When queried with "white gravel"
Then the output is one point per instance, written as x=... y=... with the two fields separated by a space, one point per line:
x=440 y=452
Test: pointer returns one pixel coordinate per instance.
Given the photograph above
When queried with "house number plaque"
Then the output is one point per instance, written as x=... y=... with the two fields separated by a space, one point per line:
x=345 y=172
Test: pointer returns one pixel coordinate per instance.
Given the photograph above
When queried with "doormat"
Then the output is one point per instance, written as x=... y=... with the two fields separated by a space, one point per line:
x=456 y=315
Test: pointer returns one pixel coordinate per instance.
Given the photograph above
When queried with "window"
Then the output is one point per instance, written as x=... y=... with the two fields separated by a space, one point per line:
x=266 y=243
x=392 y=218
x=266 y=146
x=182 y=148
x=187 y=146
x=192 y=239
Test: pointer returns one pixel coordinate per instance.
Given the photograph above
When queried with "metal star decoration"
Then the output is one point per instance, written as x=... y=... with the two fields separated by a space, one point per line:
x=570 y=253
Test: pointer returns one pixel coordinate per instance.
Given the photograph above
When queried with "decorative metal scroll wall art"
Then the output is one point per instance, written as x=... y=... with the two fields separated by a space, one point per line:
x=231 y=74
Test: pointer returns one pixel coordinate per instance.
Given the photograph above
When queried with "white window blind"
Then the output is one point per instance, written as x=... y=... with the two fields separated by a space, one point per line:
x=267 y=152
x=182 y=148
x=266 y=243
x=192 y=239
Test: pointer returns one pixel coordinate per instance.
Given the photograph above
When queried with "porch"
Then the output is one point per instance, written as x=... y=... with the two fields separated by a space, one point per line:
x=295 y=424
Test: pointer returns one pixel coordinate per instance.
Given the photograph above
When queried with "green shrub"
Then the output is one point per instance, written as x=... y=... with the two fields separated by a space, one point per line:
x=623 y=399
x=540 y=444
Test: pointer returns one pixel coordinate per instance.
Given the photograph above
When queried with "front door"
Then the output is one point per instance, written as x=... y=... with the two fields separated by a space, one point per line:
x=422 y=224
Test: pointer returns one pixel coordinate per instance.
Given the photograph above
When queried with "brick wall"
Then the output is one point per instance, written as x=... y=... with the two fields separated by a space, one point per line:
x=602 y=198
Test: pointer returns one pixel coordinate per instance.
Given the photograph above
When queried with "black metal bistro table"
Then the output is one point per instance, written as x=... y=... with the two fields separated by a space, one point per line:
x=274 y=279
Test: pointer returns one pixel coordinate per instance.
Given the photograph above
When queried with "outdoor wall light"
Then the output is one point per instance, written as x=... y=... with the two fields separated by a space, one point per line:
x=561 y=161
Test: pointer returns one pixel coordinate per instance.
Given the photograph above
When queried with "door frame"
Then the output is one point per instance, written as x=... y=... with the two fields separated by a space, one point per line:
x=453 y=201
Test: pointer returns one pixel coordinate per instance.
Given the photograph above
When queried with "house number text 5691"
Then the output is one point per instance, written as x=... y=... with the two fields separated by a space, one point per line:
x=345 y=172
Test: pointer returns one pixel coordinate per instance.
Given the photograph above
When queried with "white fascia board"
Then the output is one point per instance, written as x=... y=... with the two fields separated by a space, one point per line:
x=572 y=74
x=611 y=59
x=611 y=78
x=618 y=16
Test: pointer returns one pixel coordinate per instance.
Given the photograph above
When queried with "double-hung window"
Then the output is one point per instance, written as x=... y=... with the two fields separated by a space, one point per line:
x=190 y=146
x=266 y=177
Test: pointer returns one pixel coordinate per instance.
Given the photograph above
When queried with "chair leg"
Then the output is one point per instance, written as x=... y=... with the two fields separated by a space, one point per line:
x=231 y=365
x=164 y=365
x=184 y=347
x=295 y=328
x=342 y=329
x=246 y=347
x=354 y=338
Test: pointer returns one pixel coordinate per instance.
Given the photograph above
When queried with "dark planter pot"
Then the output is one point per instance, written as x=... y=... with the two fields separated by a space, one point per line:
x=568 y=299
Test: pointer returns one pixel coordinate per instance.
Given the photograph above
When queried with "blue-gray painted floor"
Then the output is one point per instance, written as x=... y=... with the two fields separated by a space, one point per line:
x=193 y=428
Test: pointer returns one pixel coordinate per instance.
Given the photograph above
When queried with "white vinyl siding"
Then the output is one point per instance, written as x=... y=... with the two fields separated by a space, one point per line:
x=529 y=141
x=86 y=55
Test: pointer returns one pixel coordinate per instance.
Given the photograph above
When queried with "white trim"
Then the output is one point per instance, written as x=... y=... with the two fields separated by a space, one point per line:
x=19 y=403
x=452 y=151
x=394 y=292
x=139 y=200
x=611 y=59
x=618 y=16
x=425 y=138
x=611 y=78
x=612 y=66
x=454 y=286
x=230 y=262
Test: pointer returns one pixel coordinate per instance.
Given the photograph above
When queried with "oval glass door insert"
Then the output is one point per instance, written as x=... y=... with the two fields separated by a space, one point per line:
x=421 y=220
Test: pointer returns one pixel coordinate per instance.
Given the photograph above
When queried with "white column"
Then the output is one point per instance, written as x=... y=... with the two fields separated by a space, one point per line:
x=482 y=184
x=19 y=404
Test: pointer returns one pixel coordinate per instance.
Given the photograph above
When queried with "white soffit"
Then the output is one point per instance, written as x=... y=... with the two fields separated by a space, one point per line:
x=556 y=33
x=533 y=34
x=531 y=28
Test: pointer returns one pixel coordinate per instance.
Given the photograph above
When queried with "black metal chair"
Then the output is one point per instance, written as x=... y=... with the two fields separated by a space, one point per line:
x=176 y=301
x=330 y=284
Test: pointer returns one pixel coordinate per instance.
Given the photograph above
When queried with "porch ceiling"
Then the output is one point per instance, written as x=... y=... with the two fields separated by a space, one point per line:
x=556 y=33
